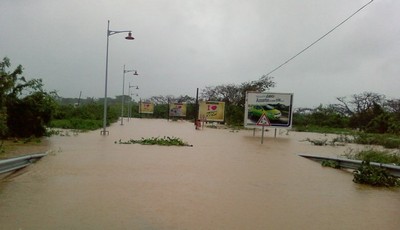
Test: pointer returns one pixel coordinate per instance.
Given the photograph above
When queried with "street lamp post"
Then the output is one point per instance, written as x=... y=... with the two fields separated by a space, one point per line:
x=123 y=91
x=130 y=94
x=130 y=111
x=109 y=33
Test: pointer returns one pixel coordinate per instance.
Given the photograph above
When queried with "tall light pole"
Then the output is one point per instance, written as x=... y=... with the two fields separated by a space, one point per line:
x=130 y=94
x=109 y=33
x=123 y=91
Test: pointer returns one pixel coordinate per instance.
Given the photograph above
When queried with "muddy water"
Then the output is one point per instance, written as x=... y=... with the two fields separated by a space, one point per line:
x=227 y=180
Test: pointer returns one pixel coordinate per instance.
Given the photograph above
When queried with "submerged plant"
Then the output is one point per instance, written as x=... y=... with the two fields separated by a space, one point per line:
x=331 y=163
x=317 y=142
x=375 y=176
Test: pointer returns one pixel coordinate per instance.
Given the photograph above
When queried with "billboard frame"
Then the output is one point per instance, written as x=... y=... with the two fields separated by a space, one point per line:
x=277 y=106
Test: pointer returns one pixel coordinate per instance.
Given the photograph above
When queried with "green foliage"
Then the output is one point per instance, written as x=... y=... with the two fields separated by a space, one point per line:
x=3 y=122
x=85 y=117
x=378 y=156
x=29 y=116
x=77 y=123
x=375 y=176
x=379 y=124
x=87 y=111
x=25 y=108
x=321 y=116
x=368 y=111
x=166 y=141
x=190 y=111
x=331 y=163
x=2 y=147
x=160 y=111
x=234 y=115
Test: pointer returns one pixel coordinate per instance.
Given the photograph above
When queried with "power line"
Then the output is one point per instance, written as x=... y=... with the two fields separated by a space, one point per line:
x=319 y=39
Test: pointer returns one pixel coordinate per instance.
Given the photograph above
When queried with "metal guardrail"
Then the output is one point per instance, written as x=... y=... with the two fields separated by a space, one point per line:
x=355 y=164
x=15 y=163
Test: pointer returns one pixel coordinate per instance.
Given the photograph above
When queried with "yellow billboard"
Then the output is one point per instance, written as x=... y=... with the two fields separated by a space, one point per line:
x=177 y=109
x=212 y=111
x=146 y=107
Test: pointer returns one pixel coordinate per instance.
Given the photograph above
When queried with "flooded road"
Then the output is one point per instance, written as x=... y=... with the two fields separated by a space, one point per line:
x=227 y=180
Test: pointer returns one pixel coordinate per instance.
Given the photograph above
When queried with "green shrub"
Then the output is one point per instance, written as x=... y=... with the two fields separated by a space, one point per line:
x=331 y=163
x=76 y=123
x=375 y=176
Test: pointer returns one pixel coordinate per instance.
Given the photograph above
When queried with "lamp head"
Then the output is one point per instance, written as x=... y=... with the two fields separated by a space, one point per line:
x=135 y=73
x=129 y=37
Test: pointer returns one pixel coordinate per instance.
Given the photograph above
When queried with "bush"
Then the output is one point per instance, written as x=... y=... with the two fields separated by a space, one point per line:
x=331 y=163
x=375 y=176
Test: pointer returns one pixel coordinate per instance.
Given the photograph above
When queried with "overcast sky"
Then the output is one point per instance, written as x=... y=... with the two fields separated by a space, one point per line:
x=181 y=45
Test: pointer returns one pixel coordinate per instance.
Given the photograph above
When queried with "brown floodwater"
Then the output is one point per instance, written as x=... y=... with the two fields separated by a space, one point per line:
x=227 y=180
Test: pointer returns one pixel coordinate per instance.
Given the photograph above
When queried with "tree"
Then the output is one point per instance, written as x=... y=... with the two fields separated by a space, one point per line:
x=360 y=103
x=236 y=94
x=25 y=108
x=323 y=116
x=361 y=108
x=7 y=82
x=160 y=100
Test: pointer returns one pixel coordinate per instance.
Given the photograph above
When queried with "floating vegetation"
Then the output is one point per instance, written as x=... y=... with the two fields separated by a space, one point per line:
x=338 y=141
x=317 y=142
x=165 y=141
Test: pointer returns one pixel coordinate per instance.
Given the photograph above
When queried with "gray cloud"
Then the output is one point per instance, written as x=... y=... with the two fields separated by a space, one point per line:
x=183 y=45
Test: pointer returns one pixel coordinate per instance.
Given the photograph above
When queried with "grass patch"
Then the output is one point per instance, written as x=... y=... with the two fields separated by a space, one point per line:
x=386 y=140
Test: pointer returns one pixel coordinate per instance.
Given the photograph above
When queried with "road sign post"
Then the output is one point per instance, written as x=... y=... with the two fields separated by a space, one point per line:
x=263 y=121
